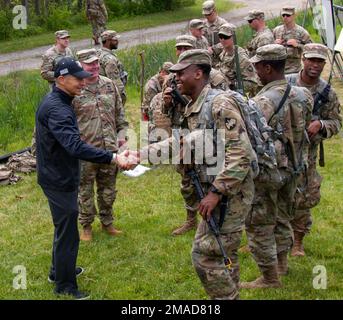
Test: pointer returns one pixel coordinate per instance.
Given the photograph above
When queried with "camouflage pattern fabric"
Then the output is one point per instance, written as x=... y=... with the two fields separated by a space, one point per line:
x=50 y=58
x=7 y=176
x=201 y=43
x=96 y=13
x=227 y=67
x=268 y=224
x=211 y=30
x=112 y=68
x=101 y=118
x=293 y=62
x=152 y=88
x=233 y=180
x=309 y=185
x=24 y=162
x=260 y=39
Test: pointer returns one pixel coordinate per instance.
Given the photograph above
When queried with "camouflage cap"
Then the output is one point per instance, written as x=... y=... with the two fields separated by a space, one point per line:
x=166 y=66
x=87 y=55
x=62 y=34
x=315 y=50
x=288 y=10
x=227 y=29
x=185 y=40
x=189 y=57
x=270 y=52
x=208 y=7
x=254 y=14
x=109 y=34
x=196 y=24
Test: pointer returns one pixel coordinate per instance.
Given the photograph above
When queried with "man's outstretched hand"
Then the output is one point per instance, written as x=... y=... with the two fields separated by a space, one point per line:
x=127 y=160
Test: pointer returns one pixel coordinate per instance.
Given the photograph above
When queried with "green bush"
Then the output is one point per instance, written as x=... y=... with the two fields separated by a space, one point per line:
x=6 y=28
x=58 y=18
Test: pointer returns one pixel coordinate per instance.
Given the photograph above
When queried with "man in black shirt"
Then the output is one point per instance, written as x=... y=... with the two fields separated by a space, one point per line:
x=59 y=149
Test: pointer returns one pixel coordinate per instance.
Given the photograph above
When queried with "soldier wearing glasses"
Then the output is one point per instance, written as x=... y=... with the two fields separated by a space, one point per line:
x=263 y=35
x=293 y=37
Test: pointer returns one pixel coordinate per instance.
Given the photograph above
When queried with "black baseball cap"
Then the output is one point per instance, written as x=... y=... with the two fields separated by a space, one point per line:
x=68 y=66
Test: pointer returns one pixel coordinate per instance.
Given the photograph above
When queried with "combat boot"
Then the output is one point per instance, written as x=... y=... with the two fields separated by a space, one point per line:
x=298 y=247
x=191 y=223
x=269 y=279
x=282 y=266
x=86 y=233
x=111 y=230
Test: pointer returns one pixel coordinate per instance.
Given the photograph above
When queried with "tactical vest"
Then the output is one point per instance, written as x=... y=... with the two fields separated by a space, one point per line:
x=293 y=147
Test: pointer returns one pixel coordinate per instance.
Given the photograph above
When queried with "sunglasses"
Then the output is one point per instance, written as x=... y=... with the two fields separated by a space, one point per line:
x=286 y=15
x=222 y=36
x=249 y=21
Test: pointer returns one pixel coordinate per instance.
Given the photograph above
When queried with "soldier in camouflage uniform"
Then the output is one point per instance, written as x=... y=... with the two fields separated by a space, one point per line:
x=326 y=122
x=54 y=54
x=233 y=178
x=288 y=112
x=110 y=65
x=96 y=13
x=175 y=113
x=101 y=121
x=212 y=25
x=154 y=86
x=263 y=35
x=196 y=28
x=293 y=37
x=227 y=65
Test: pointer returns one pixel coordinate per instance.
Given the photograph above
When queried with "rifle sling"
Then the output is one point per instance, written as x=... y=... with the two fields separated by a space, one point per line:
x=282 y=102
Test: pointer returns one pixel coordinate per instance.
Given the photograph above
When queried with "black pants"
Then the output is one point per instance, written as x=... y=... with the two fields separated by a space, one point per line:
x=64 y=211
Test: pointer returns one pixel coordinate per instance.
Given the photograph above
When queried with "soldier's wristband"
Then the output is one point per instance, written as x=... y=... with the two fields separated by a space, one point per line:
x=213 y=189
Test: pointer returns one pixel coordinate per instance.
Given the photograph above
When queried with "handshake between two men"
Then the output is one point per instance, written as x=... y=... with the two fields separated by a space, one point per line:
x=127 y=159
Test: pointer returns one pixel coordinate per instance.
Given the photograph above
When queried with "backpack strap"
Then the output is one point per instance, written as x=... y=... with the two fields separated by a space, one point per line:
x=282 y=102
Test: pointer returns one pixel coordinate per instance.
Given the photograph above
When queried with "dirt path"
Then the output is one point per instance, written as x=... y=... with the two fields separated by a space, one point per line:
x=31 y=59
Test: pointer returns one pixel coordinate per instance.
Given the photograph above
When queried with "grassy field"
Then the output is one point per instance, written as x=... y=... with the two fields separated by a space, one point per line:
x=120 y=25
x=146 y=262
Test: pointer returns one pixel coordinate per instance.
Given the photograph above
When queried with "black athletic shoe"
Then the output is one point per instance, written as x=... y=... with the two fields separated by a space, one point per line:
x=76 y=294
x=78 y=270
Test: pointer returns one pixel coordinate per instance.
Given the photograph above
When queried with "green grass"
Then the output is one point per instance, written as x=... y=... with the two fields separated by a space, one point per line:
x=120 y=25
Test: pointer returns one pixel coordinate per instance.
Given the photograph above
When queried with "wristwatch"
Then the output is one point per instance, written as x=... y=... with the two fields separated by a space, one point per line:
x=215 y=190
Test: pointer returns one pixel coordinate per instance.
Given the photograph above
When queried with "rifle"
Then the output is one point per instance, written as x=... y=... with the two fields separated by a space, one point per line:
x=211 y=223
x=239 y=81
x=5 y=157
x=176 y=95
x=320 y=99
x=145 y=116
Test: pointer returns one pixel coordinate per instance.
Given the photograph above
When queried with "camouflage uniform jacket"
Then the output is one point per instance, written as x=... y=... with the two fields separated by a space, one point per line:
x=236 y=174
x=96 y=10
x=152 y=87
x=112 y=68
x=201 y=43
x=212 y=29
x=100 y=114
x=289 y=124
x=260 y=39
x=50 y=59
x=293 y=62
x=227 y=67
x=329 y=112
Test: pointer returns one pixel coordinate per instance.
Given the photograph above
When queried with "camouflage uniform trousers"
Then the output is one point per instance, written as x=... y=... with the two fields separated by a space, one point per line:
x=218 y=281
x=98 y=27
x=105 y=177
x=307 y=197
x=268 y=225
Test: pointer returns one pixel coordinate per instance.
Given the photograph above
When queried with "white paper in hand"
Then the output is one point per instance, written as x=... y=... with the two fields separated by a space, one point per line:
x=136 y=172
